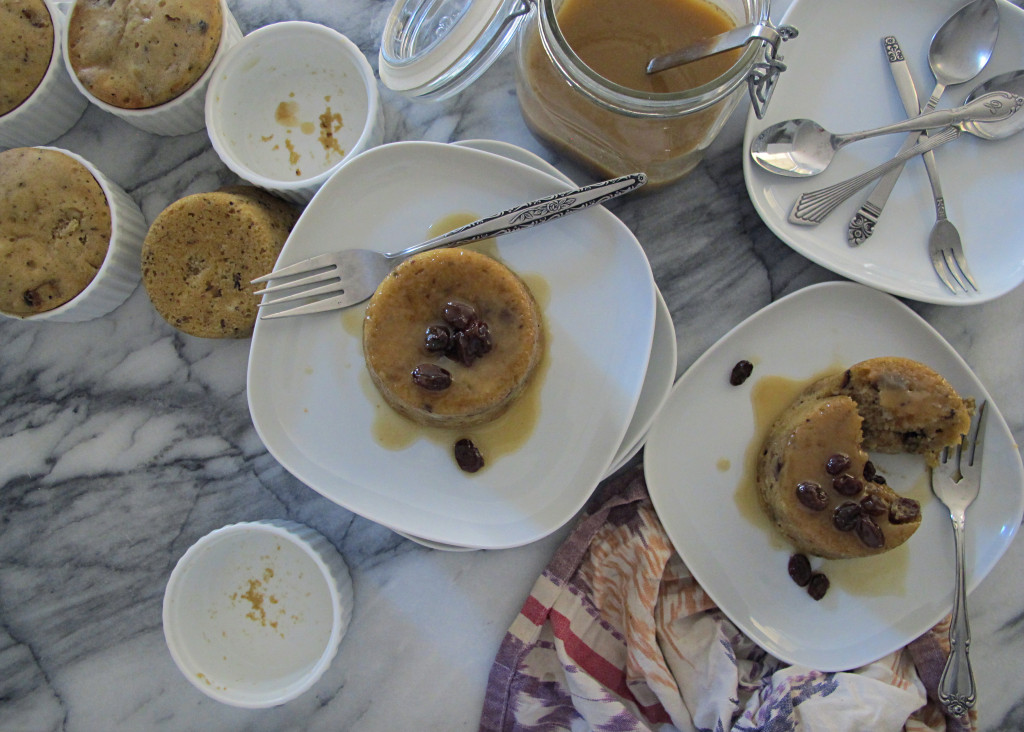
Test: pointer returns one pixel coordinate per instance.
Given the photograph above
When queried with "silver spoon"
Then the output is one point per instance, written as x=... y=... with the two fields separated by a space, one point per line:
x=799 y=148
x=812 y=207
x=735 y=38
x=959 y=50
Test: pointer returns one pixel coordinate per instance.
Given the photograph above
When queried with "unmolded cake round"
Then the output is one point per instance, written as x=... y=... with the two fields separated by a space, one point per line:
x=26 y=47
x=412 y=298
x=887 y=404
x=201 y=253
x=55 y=229
x=795 y=460
x=137 y=54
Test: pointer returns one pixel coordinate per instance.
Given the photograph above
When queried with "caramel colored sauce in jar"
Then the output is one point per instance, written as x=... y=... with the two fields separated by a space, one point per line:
x=584 y=91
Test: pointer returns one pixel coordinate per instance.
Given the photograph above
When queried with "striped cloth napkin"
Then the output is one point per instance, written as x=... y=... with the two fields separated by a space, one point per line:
x=616 y=635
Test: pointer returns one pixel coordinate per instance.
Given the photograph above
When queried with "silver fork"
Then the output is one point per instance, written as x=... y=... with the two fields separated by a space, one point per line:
x=956 y=481
x=353 y=275
x=945 y=249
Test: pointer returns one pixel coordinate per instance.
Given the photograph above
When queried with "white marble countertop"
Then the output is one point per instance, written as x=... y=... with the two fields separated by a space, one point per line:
x=123 y=441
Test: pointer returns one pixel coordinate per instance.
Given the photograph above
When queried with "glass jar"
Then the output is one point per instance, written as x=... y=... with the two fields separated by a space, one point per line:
x=433 y=49
x=611 y=129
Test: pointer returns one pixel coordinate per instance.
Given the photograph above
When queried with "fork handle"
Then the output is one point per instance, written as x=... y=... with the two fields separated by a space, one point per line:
x=956 y=685
x=531 y=214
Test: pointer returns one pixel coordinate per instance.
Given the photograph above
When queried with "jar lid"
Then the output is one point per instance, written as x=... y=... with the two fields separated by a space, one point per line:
x=435 y=48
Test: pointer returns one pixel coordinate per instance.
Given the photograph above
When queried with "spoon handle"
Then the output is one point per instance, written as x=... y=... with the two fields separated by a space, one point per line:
x=991 y=107
x=862 y=225
x=812 y=207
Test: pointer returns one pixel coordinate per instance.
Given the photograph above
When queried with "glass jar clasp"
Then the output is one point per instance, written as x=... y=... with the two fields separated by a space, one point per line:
x=764 y=74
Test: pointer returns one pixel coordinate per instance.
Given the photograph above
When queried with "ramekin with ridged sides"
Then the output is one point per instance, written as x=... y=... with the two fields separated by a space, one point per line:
x=254 y=612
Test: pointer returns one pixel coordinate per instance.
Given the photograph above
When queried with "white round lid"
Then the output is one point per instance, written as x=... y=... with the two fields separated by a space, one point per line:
x=436 y=48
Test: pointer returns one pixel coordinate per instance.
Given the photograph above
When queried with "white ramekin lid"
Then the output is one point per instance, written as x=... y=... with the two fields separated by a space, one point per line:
x=184 y=113
x=120 y=272
x=55 y=105
x=254 y=612
x=274 y=95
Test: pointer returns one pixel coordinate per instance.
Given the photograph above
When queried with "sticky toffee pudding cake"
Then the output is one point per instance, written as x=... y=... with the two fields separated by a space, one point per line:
x=451 y=338
x=55 y=229
x=136 y=54
x=815 y=479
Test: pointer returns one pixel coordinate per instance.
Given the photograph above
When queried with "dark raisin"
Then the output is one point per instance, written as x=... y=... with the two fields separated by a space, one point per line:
x=878 y=479
x=741 y=372
x=838 y=463
x=846 y=516
x=874 y=505
x=904 y=510
x=869 y=470
x=437 y=338
x=812 y=495
x=845 y=382
x=478 y=338
x=847 y=485
x=468 y=456
x=431 y=377
x=818 y=586
x=458 y=314
x=870 y=533
x=800 y=569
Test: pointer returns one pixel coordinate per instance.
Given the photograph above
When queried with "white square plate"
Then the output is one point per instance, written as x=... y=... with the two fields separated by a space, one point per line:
x=306 y=375
x=837 y=74
x=695 y=459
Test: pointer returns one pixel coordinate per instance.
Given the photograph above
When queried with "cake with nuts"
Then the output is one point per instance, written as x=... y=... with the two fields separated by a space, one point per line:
x=26 y=46
x=815 y=479
x=55 y=229
x=452 y=337
x=202 y=251
x=136 y=54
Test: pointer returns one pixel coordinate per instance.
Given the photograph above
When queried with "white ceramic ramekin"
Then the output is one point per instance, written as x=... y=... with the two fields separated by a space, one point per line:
x=120 y=272
x=276 y=92
x=254 y=612
x=55 y=105
x=184 y=113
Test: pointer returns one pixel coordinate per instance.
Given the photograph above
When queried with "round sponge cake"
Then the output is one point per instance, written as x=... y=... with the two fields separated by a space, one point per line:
x=412 y=298
x=201 y=253
x=136 y=54
x=55 y=229
x=26 y=46
x=814 y=478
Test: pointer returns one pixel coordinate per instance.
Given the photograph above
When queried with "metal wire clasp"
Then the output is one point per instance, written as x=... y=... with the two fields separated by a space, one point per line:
x=765 y=74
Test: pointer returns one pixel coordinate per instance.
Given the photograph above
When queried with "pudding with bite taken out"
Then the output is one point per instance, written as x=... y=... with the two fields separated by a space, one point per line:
x=815 y=480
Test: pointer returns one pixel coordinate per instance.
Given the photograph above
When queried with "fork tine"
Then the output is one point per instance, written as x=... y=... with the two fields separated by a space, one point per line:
x=306 y=265
x=961 y=265
x=949 y=258
x=976 y=436
x=330 y=303
x=331 y=288
x=311 y=280
x=942 y=270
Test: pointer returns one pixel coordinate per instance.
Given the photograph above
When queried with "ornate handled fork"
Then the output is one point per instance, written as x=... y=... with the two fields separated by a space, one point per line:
x=956 y=482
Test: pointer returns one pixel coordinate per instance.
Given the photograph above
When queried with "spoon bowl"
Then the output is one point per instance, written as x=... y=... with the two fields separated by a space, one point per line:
x=800 y=148
x=1012 y=82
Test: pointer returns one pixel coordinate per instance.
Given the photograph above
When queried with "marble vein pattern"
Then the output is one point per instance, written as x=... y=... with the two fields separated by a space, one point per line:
x=123 y=441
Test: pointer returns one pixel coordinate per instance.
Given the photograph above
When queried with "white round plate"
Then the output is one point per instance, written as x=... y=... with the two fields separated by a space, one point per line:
x=837 y=74
x=695 y=462
x=314 y=414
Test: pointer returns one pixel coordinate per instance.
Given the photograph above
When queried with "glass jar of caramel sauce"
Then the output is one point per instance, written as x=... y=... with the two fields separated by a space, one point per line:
x=581 y=78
